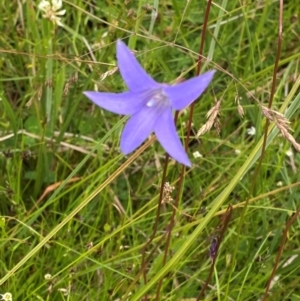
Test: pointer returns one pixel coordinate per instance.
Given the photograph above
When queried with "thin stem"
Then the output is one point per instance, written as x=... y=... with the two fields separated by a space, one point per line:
x=257 y=170
x=220 y=239
x=182 y=174
x=142 y=269
x=144 y=265
x=288 y=225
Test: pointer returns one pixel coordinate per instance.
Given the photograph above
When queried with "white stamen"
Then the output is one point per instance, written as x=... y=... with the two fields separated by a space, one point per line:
x=157 y=98
x=151 y=102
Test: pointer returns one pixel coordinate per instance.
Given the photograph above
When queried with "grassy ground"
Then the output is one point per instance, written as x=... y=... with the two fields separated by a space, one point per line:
x=76 y=214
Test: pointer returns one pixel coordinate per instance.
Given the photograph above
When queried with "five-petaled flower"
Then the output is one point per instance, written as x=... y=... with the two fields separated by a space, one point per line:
x=150 y=105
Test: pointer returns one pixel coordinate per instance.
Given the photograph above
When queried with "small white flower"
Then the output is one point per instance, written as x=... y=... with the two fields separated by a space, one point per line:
x=6 y=297
x=237 y=151
x=197 y=155
x=52 y=10
x=64 y=291
x=47 y=276
x=279 y=183
x=251 y=131
x=289 y=152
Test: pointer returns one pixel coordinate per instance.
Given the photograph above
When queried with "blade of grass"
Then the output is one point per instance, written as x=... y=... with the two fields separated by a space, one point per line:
x=221 y=198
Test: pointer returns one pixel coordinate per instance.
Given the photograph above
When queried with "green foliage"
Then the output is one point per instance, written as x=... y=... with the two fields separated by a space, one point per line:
x=75 y=215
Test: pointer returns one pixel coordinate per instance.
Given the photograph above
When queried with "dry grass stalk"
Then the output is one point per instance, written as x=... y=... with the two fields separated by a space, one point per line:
x=212 y=116
x=70 y=81
x=217 y=125
x=108 y=73
x=38 y=94
x=239 y=106
x=48 y=83
x=282 y=124
x=64 y=145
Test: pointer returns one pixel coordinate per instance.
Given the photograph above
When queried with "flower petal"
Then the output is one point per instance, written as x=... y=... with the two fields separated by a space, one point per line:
x=183 y=94
x=138 y=128
x=125 y=103
x=44 y=5
x=60 y=13
x=166 y=134
x=56 y=4
x=132 y=73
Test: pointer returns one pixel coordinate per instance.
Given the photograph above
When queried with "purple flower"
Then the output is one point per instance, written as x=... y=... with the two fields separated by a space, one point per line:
x=213 y=249
x=150 y=105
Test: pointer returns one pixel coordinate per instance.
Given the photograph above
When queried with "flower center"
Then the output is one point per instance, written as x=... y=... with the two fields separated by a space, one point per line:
x=158 y=98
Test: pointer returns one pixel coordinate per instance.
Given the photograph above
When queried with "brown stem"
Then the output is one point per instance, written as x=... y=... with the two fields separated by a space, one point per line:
x=258 y=168
x=224 y=227
x=144 y=265
x=288 y=225
x=180 y=182
x=279 y=44
x=142 y=269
